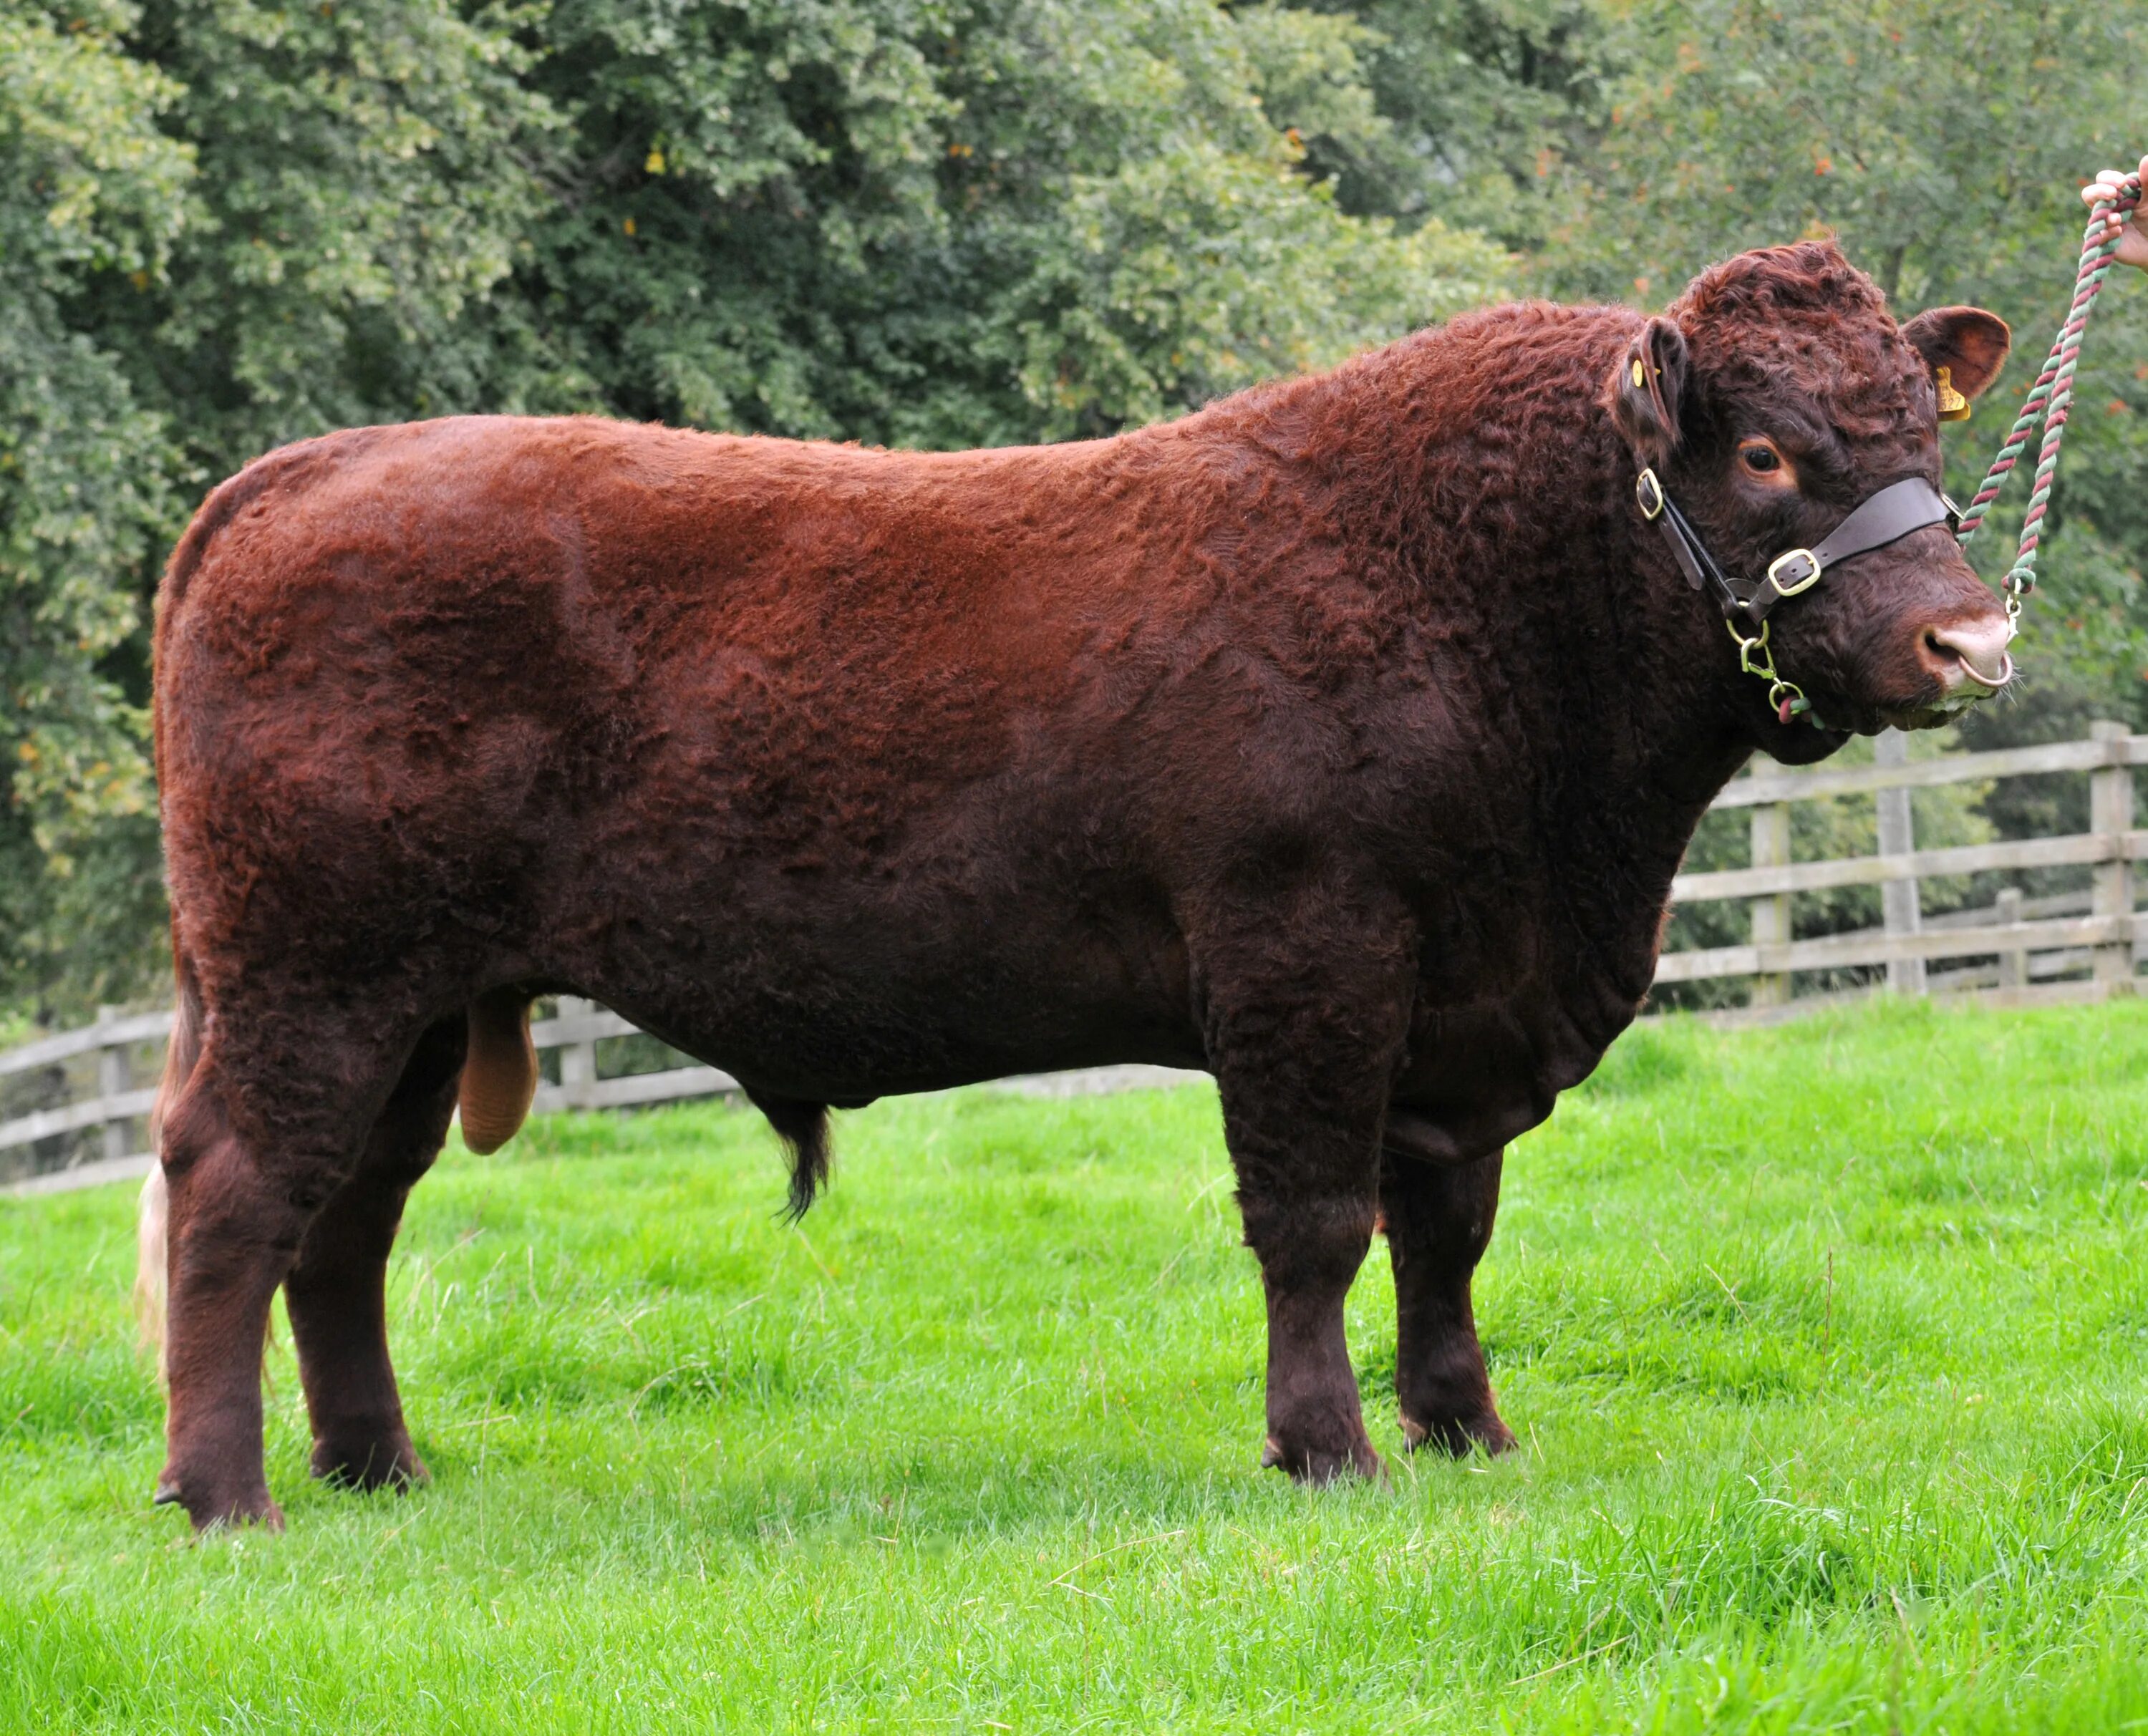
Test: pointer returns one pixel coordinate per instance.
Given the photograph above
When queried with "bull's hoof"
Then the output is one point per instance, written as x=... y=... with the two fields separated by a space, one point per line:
x=1317 y=1466
x=1460 y=1436
x=381 y=1462
x=211 y=1510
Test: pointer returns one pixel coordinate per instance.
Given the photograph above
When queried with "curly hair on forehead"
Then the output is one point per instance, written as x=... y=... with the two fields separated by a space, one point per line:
x=1808 y=278
x=1802 y=316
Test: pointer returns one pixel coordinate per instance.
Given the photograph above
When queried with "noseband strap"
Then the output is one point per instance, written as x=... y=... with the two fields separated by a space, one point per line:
x=1884 y=517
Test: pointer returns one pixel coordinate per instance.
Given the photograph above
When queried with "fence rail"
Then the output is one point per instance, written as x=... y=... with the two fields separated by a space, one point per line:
x=2116 y=750
x=2028 y=941
x=2024 y=939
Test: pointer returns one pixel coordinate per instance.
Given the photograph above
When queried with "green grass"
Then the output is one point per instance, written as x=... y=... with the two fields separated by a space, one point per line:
x=1828 y=1348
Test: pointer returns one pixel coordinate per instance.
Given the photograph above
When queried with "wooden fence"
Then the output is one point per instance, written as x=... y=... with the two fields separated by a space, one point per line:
x=2078 y=945
x=2067 y=945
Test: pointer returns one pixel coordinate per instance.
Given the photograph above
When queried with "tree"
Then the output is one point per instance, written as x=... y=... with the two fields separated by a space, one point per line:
x=366 y=173
x=222 y=226
x=91 y=191
x=947 y=221
x=1481 y=104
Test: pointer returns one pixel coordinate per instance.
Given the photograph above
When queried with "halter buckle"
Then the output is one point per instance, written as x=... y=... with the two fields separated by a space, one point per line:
x=1798 y=570
x=1648 y=495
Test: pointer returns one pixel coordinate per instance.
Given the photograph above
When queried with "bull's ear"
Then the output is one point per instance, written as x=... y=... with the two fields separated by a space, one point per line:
x=1646 y=391
x=1968 y=343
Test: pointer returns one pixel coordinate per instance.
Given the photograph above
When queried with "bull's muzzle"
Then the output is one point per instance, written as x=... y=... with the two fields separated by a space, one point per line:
x=1968 y=659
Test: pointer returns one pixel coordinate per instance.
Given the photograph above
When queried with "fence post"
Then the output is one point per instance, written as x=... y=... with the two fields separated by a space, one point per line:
x=112 y=1080
x=2013 y=966
x=577 y=1059
x=2110 y=812
x=1771 y=911
x=1899 y=905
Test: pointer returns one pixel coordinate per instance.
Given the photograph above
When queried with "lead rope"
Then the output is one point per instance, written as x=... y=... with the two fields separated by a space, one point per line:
x=2049 y=398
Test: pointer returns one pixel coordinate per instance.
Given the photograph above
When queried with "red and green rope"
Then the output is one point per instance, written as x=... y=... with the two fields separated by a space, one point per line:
x=2050 y=401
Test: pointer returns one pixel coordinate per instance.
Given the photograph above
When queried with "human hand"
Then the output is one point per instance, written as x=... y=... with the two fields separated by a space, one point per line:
x=2132 y=241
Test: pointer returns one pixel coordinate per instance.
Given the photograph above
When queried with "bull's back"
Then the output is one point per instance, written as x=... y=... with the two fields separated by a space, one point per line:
x=477 y=593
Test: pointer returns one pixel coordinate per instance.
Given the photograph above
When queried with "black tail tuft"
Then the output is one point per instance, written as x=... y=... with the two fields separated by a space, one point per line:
x=803 y=1128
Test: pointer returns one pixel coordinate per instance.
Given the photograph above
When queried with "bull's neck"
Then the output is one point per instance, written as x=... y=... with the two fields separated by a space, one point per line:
x=1602 y=690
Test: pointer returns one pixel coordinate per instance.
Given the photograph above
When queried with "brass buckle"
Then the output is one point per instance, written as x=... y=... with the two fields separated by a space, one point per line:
x=1805 y=577
x=1648 y=495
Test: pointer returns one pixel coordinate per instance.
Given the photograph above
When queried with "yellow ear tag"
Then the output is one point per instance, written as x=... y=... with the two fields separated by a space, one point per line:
x=1953 y=406
x=1640 y=374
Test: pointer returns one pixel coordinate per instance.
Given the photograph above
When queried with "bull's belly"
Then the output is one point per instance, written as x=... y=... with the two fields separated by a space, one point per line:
x=843 y=1008
x=841 y=1059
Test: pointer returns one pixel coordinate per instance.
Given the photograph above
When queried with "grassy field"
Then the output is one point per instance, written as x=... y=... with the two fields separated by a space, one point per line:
x=1828 y=1348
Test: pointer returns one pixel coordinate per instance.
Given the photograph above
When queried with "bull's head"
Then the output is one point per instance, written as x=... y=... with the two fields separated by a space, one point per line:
x=1777 y=395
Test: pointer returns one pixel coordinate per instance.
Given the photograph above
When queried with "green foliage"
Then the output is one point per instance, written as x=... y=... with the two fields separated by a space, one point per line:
x=221 y=227
x=1485 y=102
x=363 y=177
x=1941 y=143
x=977 y=221
x=1813 y=1439
x=90 y=189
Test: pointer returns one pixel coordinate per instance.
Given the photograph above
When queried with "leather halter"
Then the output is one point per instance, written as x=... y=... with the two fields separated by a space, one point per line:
x=1883 y=517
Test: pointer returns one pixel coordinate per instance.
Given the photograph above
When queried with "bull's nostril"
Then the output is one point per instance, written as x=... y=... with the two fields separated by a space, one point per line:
x=1970 y=651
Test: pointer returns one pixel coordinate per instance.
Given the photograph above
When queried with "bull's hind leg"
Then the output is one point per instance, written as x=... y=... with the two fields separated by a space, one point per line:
x=336 y=1291
x=262 y=1133
x=1304 y=1053
x=1438 y=1222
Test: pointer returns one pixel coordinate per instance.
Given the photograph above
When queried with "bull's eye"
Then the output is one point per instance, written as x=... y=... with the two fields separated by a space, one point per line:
x=1763 y=463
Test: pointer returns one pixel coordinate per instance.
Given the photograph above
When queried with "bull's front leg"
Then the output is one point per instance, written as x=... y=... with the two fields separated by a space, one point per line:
x=1439 y=1221
x=1304 y=1039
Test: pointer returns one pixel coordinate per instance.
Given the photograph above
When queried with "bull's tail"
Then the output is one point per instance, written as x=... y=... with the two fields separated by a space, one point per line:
x=151 y=1224
x=803 y=1128
x=500 y=1074
x=149 y=1280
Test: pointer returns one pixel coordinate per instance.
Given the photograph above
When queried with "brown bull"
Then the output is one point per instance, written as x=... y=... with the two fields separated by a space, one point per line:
x=1341 y=738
